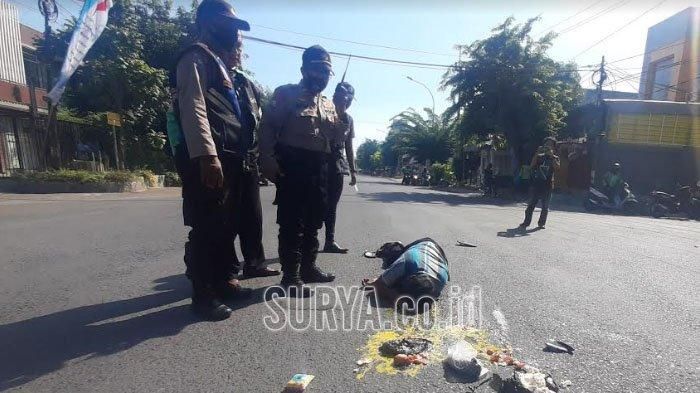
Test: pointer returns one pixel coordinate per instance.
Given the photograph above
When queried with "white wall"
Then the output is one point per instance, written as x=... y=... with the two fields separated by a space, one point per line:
x=11 y=62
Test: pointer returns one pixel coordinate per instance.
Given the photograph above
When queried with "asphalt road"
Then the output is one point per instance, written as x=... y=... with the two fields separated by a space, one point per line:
x=92 y=296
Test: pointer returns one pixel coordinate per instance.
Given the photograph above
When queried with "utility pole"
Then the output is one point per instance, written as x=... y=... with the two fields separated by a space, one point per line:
x=602 y=77
x=600 y=127
x=49 y=10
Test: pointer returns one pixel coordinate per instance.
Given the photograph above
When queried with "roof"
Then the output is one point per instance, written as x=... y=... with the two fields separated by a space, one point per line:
x=650 y=106
x=29 y=36
x=590 y=95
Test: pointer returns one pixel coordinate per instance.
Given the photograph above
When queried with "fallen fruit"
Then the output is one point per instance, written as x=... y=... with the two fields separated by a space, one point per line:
x=494 y=358
x=507 y=360
x=489 y=352
x=518 y=365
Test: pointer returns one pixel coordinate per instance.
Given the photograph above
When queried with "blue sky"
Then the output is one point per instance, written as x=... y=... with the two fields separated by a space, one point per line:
x=428 y=26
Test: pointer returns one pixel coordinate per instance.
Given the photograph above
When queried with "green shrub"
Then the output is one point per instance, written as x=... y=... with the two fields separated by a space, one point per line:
x=441 y=174
x=77 y=176
x=120 y=177
x=172 y=179
x=149 y=178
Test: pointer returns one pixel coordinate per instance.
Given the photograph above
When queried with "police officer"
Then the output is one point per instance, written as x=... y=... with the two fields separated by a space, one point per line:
x=217 y=134
x=295 y=136
x=338 y=165
x=245 y=195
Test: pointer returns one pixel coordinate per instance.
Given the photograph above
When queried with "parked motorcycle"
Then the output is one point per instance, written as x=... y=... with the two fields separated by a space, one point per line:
x=683 y=201
x=627 y=203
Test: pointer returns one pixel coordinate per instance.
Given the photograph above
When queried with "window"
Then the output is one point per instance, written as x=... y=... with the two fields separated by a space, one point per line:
x=661 y=79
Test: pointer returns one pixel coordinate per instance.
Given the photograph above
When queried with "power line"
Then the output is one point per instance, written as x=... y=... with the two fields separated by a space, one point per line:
x=611 y=8
x=368 y=58
x=354 y=42
x=434 y=66
x=571 y=17
x=648 y=52
x=664 y=67
x=621 y=27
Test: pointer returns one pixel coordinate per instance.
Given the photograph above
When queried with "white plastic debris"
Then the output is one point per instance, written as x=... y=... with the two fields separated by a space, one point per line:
x=461 y=356
x=566 y=383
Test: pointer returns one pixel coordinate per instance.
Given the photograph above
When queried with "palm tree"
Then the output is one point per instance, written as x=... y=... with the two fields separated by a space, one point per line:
x=424 y=138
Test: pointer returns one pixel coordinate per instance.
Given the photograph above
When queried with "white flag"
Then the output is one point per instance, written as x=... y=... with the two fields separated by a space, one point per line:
x=91 y=23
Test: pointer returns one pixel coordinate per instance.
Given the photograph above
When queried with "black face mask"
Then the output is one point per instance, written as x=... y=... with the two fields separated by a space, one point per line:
x=224 y=35
x=315 y=84
x=226 y=41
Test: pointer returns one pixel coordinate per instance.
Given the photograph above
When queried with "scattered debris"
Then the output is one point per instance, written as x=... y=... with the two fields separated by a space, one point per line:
x=298 y=383
x=403 y=360
x=370 y=254
x=558 y=346
x=356 y=370
x=551 y=383
x=462 y=357
x=566 y=383
x=406 y=346
x=463 y=244
x=531 y=382
x=363 y=361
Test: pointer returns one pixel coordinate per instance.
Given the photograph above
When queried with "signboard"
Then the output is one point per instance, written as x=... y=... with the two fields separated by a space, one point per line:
x=114 y=119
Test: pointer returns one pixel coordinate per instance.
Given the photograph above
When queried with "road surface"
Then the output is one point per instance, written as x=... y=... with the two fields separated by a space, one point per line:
x=92 y=296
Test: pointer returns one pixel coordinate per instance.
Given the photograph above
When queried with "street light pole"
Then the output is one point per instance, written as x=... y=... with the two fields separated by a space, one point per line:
x=426 y=88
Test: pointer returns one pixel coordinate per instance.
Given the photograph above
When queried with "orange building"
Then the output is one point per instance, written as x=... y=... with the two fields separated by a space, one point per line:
x=672 y=59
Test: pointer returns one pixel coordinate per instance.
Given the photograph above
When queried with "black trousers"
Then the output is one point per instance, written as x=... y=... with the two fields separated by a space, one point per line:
x=217 y=217
x=335 y=190
x=301 y=207
x=537 y=194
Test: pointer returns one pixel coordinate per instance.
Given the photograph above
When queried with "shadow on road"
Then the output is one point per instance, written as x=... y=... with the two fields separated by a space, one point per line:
x=38 y=346
x=517 y=232
x=434 y=197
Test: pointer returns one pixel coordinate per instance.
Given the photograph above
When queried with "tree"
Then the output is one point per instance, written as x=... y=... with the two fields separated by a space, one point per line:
x=424 y=138
x=126 y=71
x=508 y=85
x=365 y=152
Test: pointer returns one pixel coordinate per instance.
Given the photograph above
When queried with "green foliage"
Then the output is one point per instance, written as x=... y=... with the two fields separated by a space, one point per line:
x=442 y=174
x=422 y=138
x=149 y=178
x=83 y=177
x=172 y=179
x=126 y=71
x=365 y=152
x=509 y=85
x=376 y=159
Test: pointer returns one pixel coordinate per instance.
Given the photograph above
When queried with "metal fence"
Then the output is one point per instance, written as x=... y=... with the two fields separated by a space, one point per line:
x=24 y=147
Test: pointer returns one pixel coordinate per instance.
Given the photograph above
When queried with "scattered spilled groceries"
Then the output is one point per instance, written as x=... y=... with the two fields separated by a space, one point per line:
x=298 y=383
x=467 y=355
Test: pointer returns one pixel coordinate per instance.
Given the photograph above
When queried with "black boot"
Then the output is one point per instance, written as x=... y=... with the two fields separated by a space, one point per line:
x=207 y=306
x=332 y=247
x=314 y=274
x=292 y=283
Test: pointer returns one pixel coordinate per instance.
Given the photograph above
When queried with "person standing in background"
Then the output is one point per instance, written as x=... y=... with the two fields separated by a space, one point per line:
x=338 y=164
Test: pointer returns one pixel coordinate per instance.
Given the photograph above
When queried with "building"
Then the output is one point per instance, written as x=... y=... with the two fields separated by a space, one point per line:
x=671 y=60
x=657 y=142
x=23 y=82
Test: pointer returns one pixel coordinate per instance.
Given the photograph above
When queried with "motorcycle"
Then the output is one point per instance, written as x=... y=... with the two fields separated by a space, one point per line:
x=627 y=203
x=682 y=202
x=406 y=179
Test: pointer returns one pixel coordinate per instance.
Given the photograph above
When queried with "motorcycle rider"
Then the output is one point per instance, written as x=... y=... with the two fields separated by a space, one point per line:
x=614 y=183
